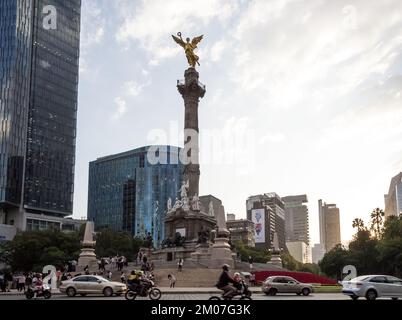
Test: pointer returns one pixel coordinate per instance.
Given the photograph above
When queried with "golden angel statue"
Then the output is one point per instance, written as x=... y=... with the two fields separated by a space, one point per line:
x=189 y=48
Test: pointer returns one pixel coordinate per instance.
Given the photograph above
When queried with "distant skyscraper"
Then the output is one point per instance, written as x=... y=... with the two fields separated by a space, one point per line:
x=127 y=193
x=330 y=231
x=393 y=200
x=317 y=252
x=296 y=219
x=267 y=211
x=39 y=62
x=241 y=230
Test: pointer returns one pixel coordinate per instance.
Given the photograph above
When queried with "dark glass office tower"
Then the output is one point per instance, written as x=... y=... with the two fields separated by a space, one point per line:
x=38 y=106
x=128 y=193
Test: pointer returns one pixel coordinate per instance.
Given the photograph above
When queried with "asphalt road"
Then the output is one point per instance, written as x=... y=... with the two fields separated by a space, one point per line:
x=195 y=296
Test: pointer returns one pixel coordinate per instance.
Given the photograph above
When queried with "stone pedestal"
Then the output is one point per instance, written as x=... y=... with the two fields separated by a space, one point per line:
x=189 y=224
x=88 y=258
x=276 y=260
x=221 y=252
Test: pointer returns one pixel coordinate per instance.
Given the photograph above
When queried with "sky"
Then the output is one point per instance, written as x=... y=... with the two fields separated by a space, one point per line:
x=303 y=96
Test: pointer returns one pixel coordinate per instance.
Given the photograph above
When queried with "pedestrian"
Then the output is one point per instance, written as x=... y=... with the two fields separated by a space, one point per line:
x=250 y=261
x=123 y=277
x=172 y=280
x=21 y=283
x=180 y=265
x=252 y=279
x=110 y=274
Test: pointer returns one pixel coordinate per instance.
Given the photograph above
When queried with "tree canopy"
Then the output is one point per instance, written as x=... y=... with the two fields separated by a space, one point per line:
x=373 y=250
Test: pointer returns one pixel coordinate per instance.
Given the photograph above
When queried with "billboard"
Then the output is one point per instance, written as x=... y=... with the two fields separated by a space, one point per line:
x=258 y=217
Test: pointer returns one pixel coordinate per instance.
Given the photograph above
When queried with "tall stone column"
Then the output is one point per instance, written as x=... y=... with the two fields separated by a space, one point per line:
x=191 y=90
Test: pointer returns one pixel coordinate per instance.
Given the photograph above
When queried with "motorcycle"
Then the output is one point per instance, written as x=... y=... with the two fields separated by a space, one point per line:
x=242 y=293
x=145 y=288
x=45 y=292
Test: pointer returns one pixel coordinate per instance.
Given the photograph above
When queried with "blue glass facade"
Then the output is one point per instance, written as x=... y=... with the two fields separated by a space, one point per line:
x=15 y=70
x=126 y=192
x=38 y=105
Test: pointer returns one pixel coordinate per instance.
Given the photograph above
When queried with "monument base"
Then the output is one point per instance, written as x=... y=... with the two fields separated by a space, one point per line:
x=221 y=252
x=275 y=260
x=88 y=258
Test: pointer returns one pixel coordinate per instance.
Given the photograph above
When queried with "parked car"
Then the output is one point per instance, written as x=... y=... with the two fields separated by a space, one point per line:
x=280 y=284
x=372 y=287
x=84 y=285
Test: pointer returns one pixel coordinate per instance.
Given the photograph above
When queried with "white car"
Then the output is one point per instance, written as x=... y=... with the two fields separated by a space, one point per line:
x=372 y=287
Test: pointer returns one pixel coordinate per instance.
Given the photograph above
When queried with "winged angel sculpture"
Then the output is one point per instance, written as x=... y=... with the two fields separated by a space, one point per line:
x=189 y=48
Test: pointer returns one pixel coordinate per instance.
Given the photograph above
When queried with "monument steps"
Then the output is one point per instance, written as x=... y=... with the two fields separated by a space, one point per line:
x=188 y=277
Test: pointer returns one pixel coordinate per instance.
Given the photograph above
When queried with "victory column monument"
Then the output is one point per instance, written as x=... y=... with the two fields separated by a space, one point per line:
x=192 y=234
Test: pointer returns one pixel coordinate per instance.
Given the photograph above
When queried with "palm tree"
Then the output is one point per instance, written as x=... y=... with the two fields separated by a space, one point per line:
x=359 y=224
x=377 y=222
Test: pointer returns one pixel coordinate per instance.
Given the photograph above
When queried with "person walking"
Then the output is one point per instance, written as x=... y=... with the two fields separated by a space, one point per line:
x=172 y=280
x=110 y=275
x=123 y=277
x=21 y=283
x=250 y=261
x=180 y=265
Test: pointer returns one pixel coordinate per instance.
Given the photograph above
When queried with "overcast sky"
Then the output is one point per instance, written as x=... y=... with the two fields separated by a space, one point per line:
x=303 y=97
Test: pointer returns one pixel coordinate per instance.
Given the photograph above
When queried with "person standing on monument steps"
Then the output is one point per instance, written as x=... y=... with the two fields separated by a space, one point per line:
x=180 y=265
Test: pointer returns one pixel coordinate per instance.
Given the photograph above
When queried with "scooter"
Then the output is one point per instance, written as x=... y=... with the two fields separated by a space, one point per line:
x=45 y=292
x=145 y=288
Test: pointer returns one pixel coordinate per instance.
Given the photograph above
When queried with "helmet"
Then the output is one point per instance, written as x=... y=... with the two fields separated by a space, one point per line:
x=225 y=267
x=237 y=274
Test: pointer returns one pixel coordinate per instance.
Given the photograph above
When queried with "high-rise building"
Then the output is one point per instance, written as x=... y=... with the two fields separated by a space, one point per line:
x=330 y=230
x=267 y=211
x=240 y=230
x=299 y=250
x=393 y=200
x=317 y=252
x=39 y=63
x=127 y=192
x=296 y=219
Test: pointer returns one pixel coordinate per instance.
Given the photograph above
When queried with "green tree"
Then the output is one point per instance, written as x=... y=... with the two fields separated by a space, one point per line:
x=363 y=252
x=110 y=243
x=377 y=221
x=359 y=224
x=259 y=255
x=35 y=249
x=390 y=247
x=290 y=263
x=333 y=262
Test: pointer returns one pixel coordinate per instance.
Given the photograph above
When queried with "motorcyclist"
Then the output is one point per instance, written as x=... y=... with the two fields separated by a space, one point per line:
x=37 y=284
x=134 y=280
x=223 y=283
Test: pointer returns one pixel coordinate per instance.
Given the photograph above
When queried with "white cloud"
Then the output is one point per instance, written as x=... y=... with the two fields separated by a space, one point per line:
x=217 y=51
x=92 y=31
x=152 y=22
x=132 y=88
x=121 y=108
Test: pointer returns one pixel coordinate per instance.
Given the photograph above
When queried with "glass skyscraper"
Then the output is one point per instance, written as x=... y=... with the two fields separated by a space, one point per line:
x=128 y=193
x=39 y=64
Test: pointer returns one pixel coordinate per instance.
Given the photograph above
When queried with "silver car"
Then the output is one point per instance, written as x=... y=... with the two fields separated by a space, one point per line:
x=372 y=287
x=282 y=284
x=88 y=284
